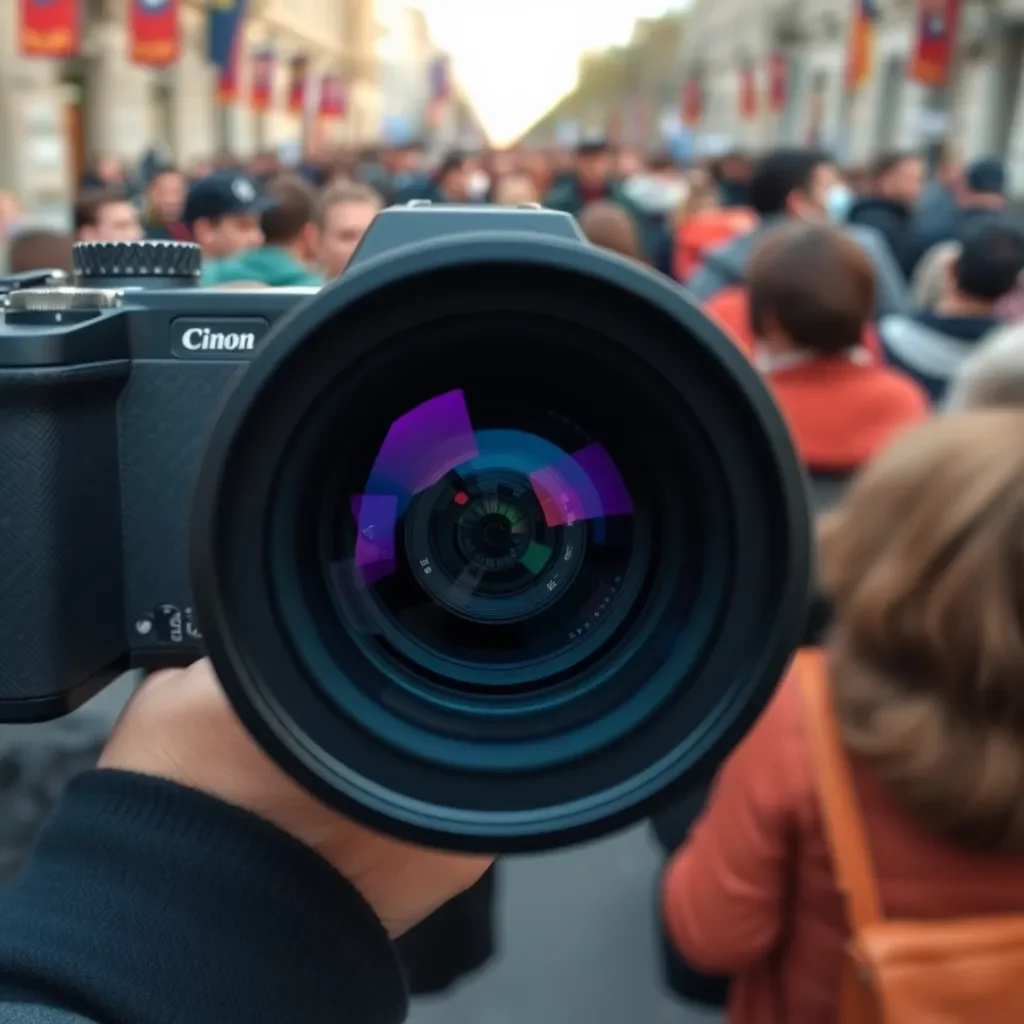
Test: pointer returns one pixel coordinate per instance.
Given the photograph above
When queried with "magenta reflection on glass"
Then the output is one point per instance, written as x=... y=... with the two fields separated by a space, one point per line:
x=376 y=517
x=586 y=485
x=423 y=445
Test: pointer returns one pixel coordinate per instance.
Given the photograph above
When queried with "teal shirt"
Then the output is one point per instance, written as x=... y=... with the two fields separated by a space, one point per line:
x=269 y=265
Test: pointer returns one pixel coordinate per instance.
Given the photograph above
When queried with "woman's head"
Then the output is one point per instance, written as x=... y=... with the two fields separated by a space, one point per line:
x=924 y=564
x=609 y=226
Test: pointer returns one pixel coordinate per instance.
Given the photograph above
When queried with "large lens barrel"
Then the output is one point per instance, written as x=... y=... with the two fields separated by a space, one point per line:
x=498 y=540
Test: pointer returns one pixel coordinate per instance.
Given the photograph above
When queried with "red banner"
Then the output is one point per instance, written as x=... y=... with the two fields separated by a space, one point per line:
x=49 y=28
x=692 y=101
x=748 y=91
x=937 y=22
x=264 y=74
x=333 y=96
x=778 y=81
x=860 y=48
x=153 y=32
x=298 y=83
x=229 y=78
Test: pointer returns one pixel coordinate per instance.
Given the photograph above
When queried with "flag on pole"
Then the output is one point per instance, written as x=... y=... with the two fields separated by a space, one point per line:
x=224 y=35
x=860 y=51
x=748 y=90
x=778 y=80
x=298 y=83
x=153 y=39
x=264 y=74
x=333 y=96
x=934 y=48
x=49 y=28
x=692 y=101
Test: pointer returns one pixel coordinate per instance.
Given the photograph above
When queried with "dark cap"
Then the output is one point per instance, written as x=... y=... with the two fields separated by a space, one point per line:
x=986 y=176
x=223 y=195
x=593 y=143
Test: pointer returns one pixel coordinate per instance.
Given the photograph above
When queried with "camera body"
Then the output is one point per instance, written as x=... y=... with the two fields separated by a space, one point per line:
x=107 y=393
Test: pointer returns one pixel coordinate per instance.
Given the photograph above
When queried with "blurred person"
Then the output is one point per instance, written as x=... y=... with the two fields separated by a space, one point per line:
x=450 y=182
x=931 y=277
x=289 y=248
x=992 y=376
x=263 y=166
x=201 y=168
x=732 y=175
x=594 y=180
x=222 y=212
x=980 y=195
x=107 y=171
x=938 y=201
x=515 y=189
x=165 y=203
x=347 y=209
x=812 y=293
x=608 y=226
x=627 y=163
x=704 y=225
x=106 y=215
x=797 y=184
x=931 y=345
x=479 y=182
x=919 y=688
x=409 y=179
x=898 y=179
x=657 y=191
x=38 y=249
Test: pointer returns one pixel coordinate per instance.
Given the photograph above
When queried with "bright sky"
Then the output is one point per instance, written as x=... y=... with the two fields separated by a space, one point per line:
x=515 y=58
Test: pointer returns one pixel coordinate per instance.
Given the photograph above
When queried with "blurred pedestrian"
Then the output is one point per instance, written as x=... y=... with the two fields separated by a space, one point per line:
x=165 y=203
x=222 y=213
x=347 y=210
x=106 y=215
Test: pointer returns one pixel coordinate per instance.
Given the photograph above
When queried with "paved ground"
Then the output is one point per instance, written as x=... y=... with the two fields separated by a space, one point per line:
x=578 y=945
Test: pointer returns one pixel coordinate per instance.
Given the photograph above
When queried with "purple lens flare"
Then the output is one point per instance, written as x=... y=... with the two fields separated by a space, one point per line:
x=423 y=445
x=586 y=485
x=376 y=517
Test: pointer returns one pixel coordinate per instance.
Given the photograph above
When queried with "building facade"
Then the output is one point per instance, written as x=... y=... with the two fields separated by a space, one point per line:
x=58 y=116
x=980 y=113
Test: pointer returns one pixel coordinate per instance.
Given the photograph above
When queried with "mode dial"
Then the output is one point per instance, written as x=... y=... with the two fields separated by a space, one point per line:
x=137 y=264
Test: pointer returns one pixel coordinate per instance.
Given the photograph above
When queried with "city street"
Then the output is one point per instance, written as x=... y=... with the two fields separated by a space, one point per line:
x=578 y=945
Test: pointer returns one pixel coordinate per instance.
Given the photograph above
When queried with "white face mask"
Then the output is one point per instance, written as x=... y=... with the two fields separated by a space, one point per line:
x=838 y=201
x=478 y=185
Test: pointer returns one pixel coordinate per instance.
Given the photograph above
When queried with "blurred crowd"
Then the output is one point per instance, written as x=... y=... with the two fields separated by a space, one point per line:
x=870 y=300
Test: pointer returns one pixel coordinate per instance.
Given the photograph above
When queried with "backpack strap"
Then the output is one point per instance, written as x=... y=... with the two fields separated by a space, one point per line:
x=844 y=825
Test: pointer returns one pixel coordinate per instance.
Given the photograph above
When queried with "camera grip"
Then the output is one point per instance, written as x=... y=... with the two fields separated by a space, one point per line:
x=61 y=604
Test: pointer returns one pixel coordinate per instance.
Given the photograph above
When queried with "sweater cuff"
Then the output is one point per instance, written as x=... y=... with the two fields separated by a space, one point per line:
x=152 y=903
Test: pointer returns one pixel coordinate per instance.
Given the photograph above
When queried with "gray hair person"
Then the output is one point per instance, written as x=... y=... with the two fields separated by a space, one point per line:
x=992 y=375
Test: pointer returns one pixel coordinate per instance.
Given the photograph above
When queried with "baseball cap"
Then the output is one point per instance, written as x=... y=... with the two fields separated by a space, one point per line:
x=986 y=176
x=222 y=195
x=593 y=143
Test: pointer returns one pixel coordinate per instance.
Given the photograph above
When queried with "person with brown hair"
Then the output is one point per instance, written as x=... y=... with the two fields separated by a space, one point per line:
x=289 y=226
x=106 y=215
x=37 y=249
x=811 y=293
x=923 y=562
x=609 y=226
x=347 y=209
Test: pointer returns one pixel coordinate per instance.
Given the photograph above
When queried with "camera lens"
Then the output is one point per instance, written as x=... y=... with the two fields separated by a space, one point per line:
x=491 y=540
x=497 y=541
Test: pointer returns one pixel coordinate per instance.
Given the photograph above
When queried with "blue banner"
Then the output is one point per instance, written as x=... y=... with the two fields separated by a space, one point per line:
x=223 y=30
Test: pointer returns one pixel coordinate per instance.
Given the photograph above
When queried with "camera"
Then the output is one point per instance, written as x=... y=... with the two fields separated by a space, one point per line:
x=492 y=542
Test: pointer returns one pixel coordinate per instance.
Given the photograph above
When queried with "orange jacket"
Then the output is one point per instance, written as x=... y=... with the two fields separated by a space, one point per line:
x=704 y=231
x=752 y=894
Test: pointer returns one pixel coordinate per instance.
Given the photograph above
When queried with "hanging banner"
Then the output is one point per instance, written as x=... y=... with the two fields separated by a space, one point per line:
x=333 y=96
x=937 y=23
x=440 y=79
x=153 y=39
x=298 y=82
x=778 y=81
x=692 y=101
x=224 y=45
x=748 y=90
x=49 y=28
x=860 y=50
x=263 y=70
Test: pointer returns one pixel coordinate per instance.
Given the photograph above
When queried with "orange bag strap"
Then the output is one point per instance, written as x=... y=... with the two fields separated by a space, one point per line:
x=844 y=824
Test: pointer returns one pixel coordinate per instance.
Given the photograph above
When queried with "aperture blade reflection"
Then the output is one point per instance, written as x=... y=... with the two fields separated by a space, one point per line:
x=423 y=445
x=585 y=485
x=376 y=517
